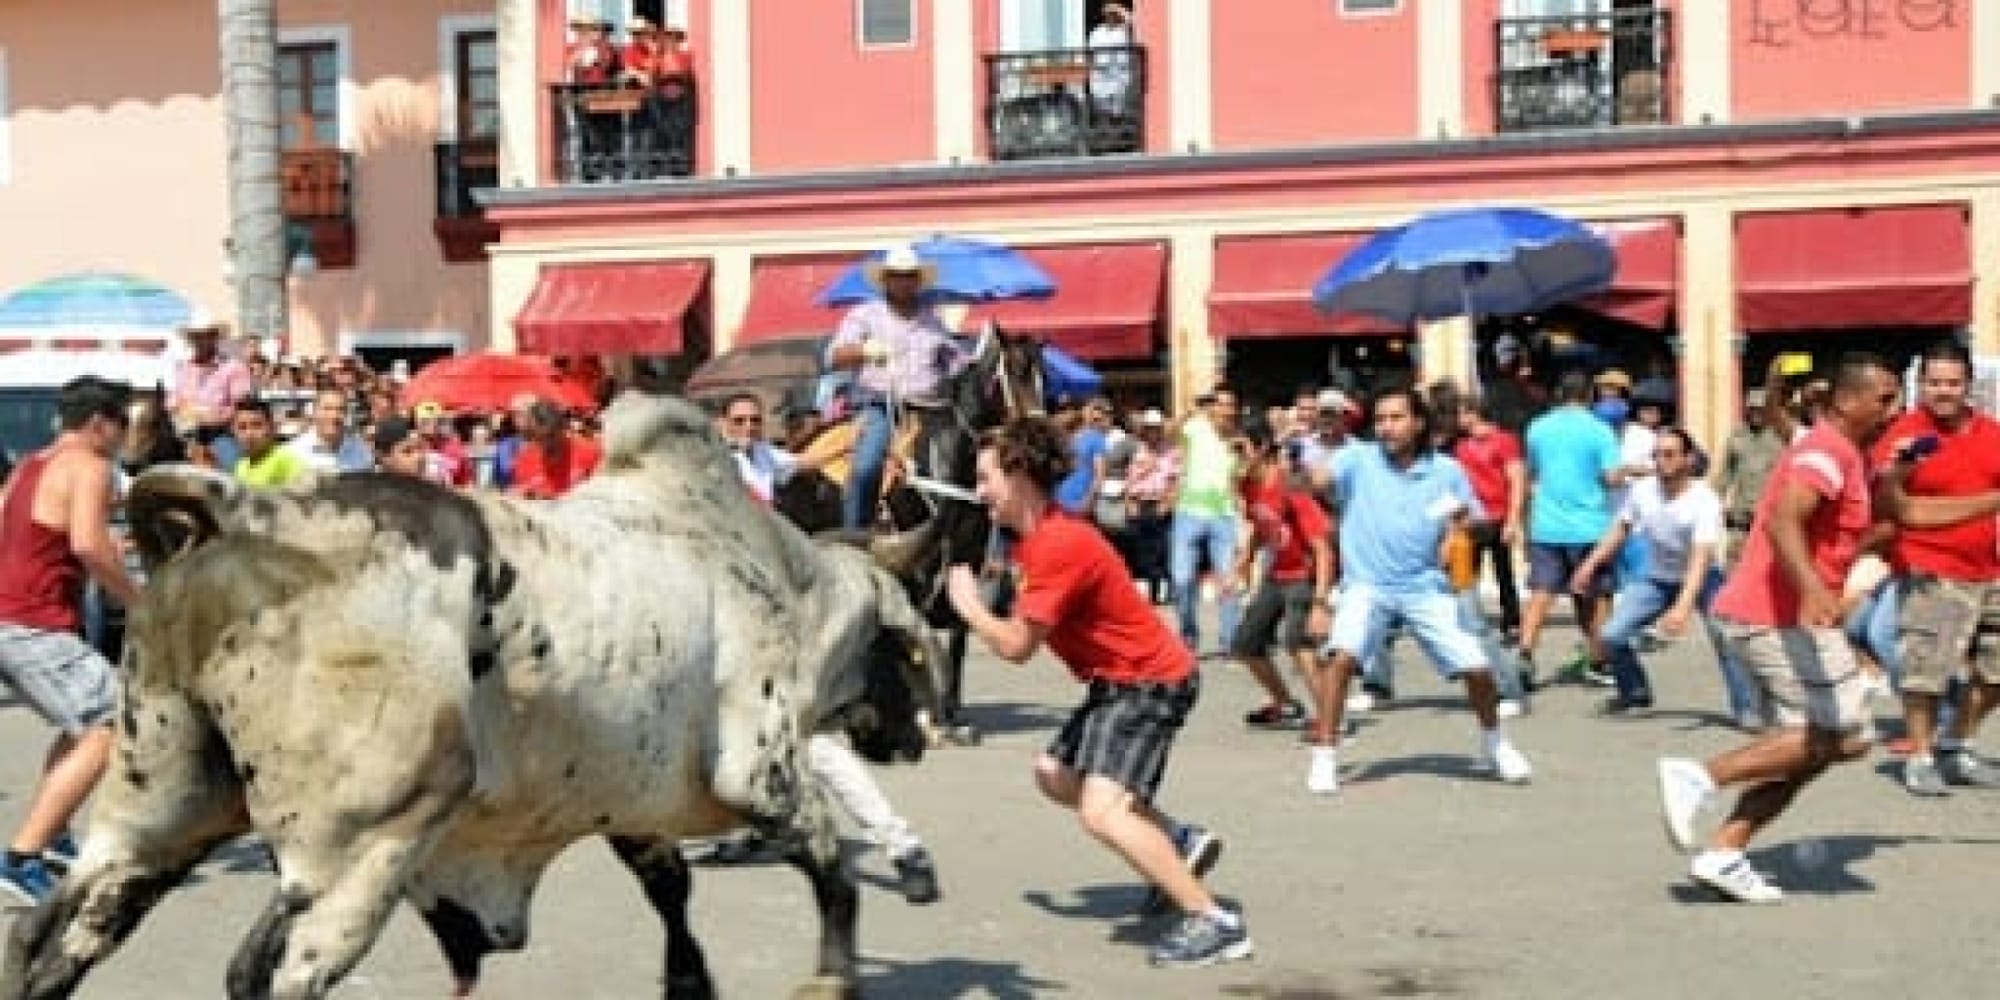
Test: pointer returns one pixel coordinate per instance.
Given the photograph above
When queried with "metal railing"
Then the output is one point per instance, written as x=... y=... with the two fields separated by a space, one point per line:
x=615 y=133
x=1066 y=102
x=318 y=184
x=1583 y=71
x=462 y=168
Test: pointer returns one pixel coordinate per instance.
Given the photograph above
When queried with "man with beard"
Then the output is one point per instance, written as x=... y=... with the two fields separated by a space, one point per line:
x=1781 y=612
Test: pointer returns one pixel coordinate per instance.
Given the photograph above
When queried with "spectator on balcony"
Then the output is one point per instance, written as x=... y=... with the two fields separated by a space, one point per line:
x=1111 y=62
x=662 y=62
x=207 y=387
x=589 y=63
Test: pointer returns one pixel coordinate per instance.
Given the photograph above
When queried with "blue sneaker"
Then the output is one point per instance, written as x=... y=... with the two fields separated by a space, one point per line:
x=1199 y=849
x=29 y=881
x=60 y=855
x=1200 y=940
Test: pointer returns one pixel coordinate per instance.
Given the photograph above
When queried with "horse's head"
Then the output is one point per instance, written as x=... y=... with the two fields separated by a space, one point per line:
x=1003 y=381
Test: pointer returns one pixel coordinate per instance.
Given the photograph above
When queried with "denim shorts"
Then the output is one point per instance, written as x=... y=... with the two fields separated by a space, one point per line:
x=59 y=676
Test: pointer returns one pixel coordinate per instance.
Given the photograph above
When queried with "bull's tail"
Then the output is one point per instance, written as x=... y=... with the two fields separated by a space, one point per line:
x=174 y=509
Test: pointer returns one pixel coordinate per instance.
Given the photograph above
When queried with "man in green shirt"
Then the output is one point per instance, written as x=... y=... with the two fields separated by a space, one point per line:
x=1205 y=513
x=263 y=463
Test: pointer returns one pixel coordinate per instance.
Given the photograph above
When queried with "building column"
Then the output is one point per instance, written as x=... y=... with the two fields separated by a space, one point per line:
x=728 y=68
x=1711 y=388
x=1984 y=231
x=1440 y=69
x=510 y=279
x=729 y=291
x=1985 y=32
x=1190 y=105
x=1193 y=353
x=954 y=65
x=517 y=32
x=1701 y=67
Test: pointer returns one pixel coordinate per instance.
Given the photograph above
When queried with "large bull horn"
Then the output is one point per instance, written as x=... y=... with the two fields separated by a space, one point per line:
x=175 y=508
x=903 y=552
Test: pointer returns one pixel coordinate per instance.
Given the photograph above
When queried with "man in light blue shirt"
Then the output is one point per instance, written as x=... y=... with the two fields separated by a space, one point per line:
x=1573 y=465
x=1398 y=499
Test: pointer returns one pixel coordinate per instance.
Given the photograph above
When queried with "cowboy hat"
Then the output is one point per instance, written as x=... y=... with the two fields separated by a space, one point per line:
x=640 y=26
x=1614 y=378
x=901 y=259
x=202 y=321
x=583 y=20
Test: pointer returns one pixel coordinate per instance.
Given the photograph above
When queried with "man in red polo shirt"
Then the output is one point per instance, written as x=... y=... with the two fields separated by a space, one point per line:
x=1950 y=613
x=1106 y=763
x=1492 y=459
x=1289 y=606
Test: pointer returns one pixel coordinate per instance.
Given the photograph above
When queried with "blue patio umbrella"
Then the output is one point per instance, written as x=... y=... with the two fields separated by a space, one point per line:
x=967 y=271
x=1468 y=262
x=93 y=301
x=1063 y=375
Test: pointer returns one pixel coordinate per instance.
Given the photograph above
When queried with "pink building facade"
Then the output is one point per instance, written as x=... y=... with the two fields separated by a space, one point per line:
x=116 y=162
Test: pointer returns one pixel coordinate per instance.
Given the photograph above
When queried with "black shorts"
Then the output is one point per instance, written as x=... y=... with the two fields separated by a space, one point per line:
x=1551 y=565
x=1277 y=611
x=1123 y=732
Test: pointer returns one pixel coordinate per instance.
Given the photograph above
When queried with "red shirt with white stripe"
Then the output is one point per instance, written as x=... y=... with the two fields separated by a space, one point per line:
x=1759 y=591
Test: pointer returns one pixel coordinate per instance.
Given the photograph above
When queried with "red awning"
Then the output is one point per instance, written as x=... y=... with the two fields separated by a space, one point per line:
x=1648 y=278
x=1263 y=287
x=1107 y=303
x=782 y=290
x=1848 y=268
x=623 y=308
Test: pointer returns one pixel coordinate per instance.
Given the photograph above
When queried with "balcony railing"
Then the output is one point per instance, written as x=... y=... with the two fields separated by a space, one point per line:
x=1583 y=71
x=1066 y=102
x=618 y=133
x=319 y=201
x=462 y=168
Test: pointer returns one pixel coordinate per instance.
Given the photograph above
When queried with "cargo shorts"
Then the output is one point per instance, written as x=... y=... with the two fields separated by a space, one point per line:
x=60 y=676
x=1948 y=626
x=1808 y=676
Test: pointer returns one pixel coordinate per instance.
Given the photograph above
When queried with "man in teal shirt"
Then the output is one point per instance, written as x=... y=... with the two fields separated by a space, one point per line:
x=1205 y=514
x=1573 y=465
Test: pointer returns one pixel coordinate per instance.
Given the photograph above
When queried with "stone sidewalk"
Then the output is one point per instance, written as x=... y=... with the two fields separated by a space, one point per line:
x=1420 y=879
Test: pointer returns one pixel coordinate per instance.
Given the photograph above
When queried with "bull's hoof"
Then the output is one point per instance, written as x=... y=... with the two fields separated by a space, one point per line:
x=689 y=988
x=828 y=988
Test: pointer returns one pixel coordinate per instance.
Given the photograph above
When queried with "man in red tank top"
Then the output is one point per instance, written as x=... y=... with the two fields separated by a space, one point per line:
x=1106 y=763
x=55 y=515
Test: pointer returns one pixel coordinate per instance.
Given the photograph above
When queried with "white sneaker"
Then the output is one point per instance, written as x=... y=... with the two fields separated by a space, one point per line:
x=1509 y=709
x=1359 y=700
x=1729 y=873
x=1323 y=774
x=1510 y=764
x=1684 y=788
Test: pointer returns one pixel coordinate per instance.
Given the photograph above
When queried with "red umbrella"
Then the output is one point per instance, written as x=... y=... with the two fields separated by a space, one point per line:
x=493 y=381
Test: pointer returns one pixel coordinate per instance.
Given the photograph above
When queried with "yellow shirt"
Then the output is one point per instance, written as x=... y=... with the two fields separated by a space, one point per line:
x=279 y=467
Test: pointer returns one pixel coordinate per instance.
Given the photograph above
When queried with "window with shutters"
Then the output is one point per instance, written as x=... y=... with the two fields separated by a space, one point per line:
x=886 y=23
x=309 y=94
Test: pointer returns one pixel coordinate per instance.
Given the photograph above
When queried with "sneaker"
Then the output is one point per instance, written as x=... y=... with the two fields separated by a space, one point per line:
x=1382 y=693
x=61 y=853
x=1729 y=873
x=1964 y=767
x=1285 y=716
x=29 y=880
x=1620 y=705
x=1508 y=763
x=1200 y=940
x=1599 y=675
x=1360 y=700
x=1921 y=777
x=1323 y=774
x=1684 y=788
x=1199 y=849
x=916 y=877
x=1511 y=708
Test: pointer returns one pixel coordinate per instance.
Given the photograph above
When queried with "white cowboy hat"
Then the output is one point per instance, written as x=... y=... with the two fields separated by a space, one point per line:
x=901 y=259
x=202 y=321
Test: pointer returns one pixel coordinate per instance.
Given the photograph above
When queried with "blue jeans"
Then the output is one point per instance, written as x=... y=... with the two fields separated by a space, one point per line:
x=1380 y=668
x=874 y=434
x=1873 y=626
x=1218 y=534
x=1641 y=603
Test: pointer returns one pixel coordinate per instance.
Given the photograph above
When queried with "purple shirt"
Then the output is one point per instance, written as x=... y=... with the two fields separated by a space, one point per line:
x=211 y=389
x=922 y=353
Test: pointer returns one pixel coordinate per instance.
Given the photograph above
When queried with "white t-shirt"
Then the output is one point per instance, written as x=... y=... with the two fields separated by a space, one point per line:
x=1672 y=528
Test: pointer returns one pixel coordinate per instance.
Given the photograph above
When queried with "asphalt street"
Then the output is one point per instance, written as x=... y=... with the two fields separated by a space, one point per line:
x=1421 y=879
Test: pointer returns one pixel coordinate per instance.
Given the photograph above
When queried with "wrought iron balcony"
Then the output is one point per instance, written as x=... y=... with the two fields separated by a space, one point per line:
x=1066 y=102
x=1584 y=71
x=615 y=133
x=318 y=200
x=462 y=168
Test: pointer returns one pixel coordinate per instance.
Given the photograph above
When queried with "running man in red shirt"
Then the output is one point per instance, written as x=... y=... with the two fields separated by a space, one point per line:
x=1077 y=597
x=55 y=516
x=1781 y=611
x=1289 y=606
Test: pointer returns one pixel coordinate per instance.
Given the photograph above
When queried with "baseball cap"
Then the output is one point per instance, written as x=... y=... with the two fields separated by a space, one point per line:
x=428 y=410
x=1152 y=417
x=1334 y=399
x=392 y=432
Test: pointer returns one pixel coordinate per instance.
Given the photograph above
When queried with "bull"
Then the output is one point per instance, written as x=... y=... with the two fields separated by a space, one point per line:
x=414 y=694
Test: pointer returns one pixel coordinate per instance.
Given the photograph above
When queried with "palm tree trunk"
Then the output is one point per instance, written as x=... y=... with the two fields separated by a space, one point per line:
x=256 y=206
